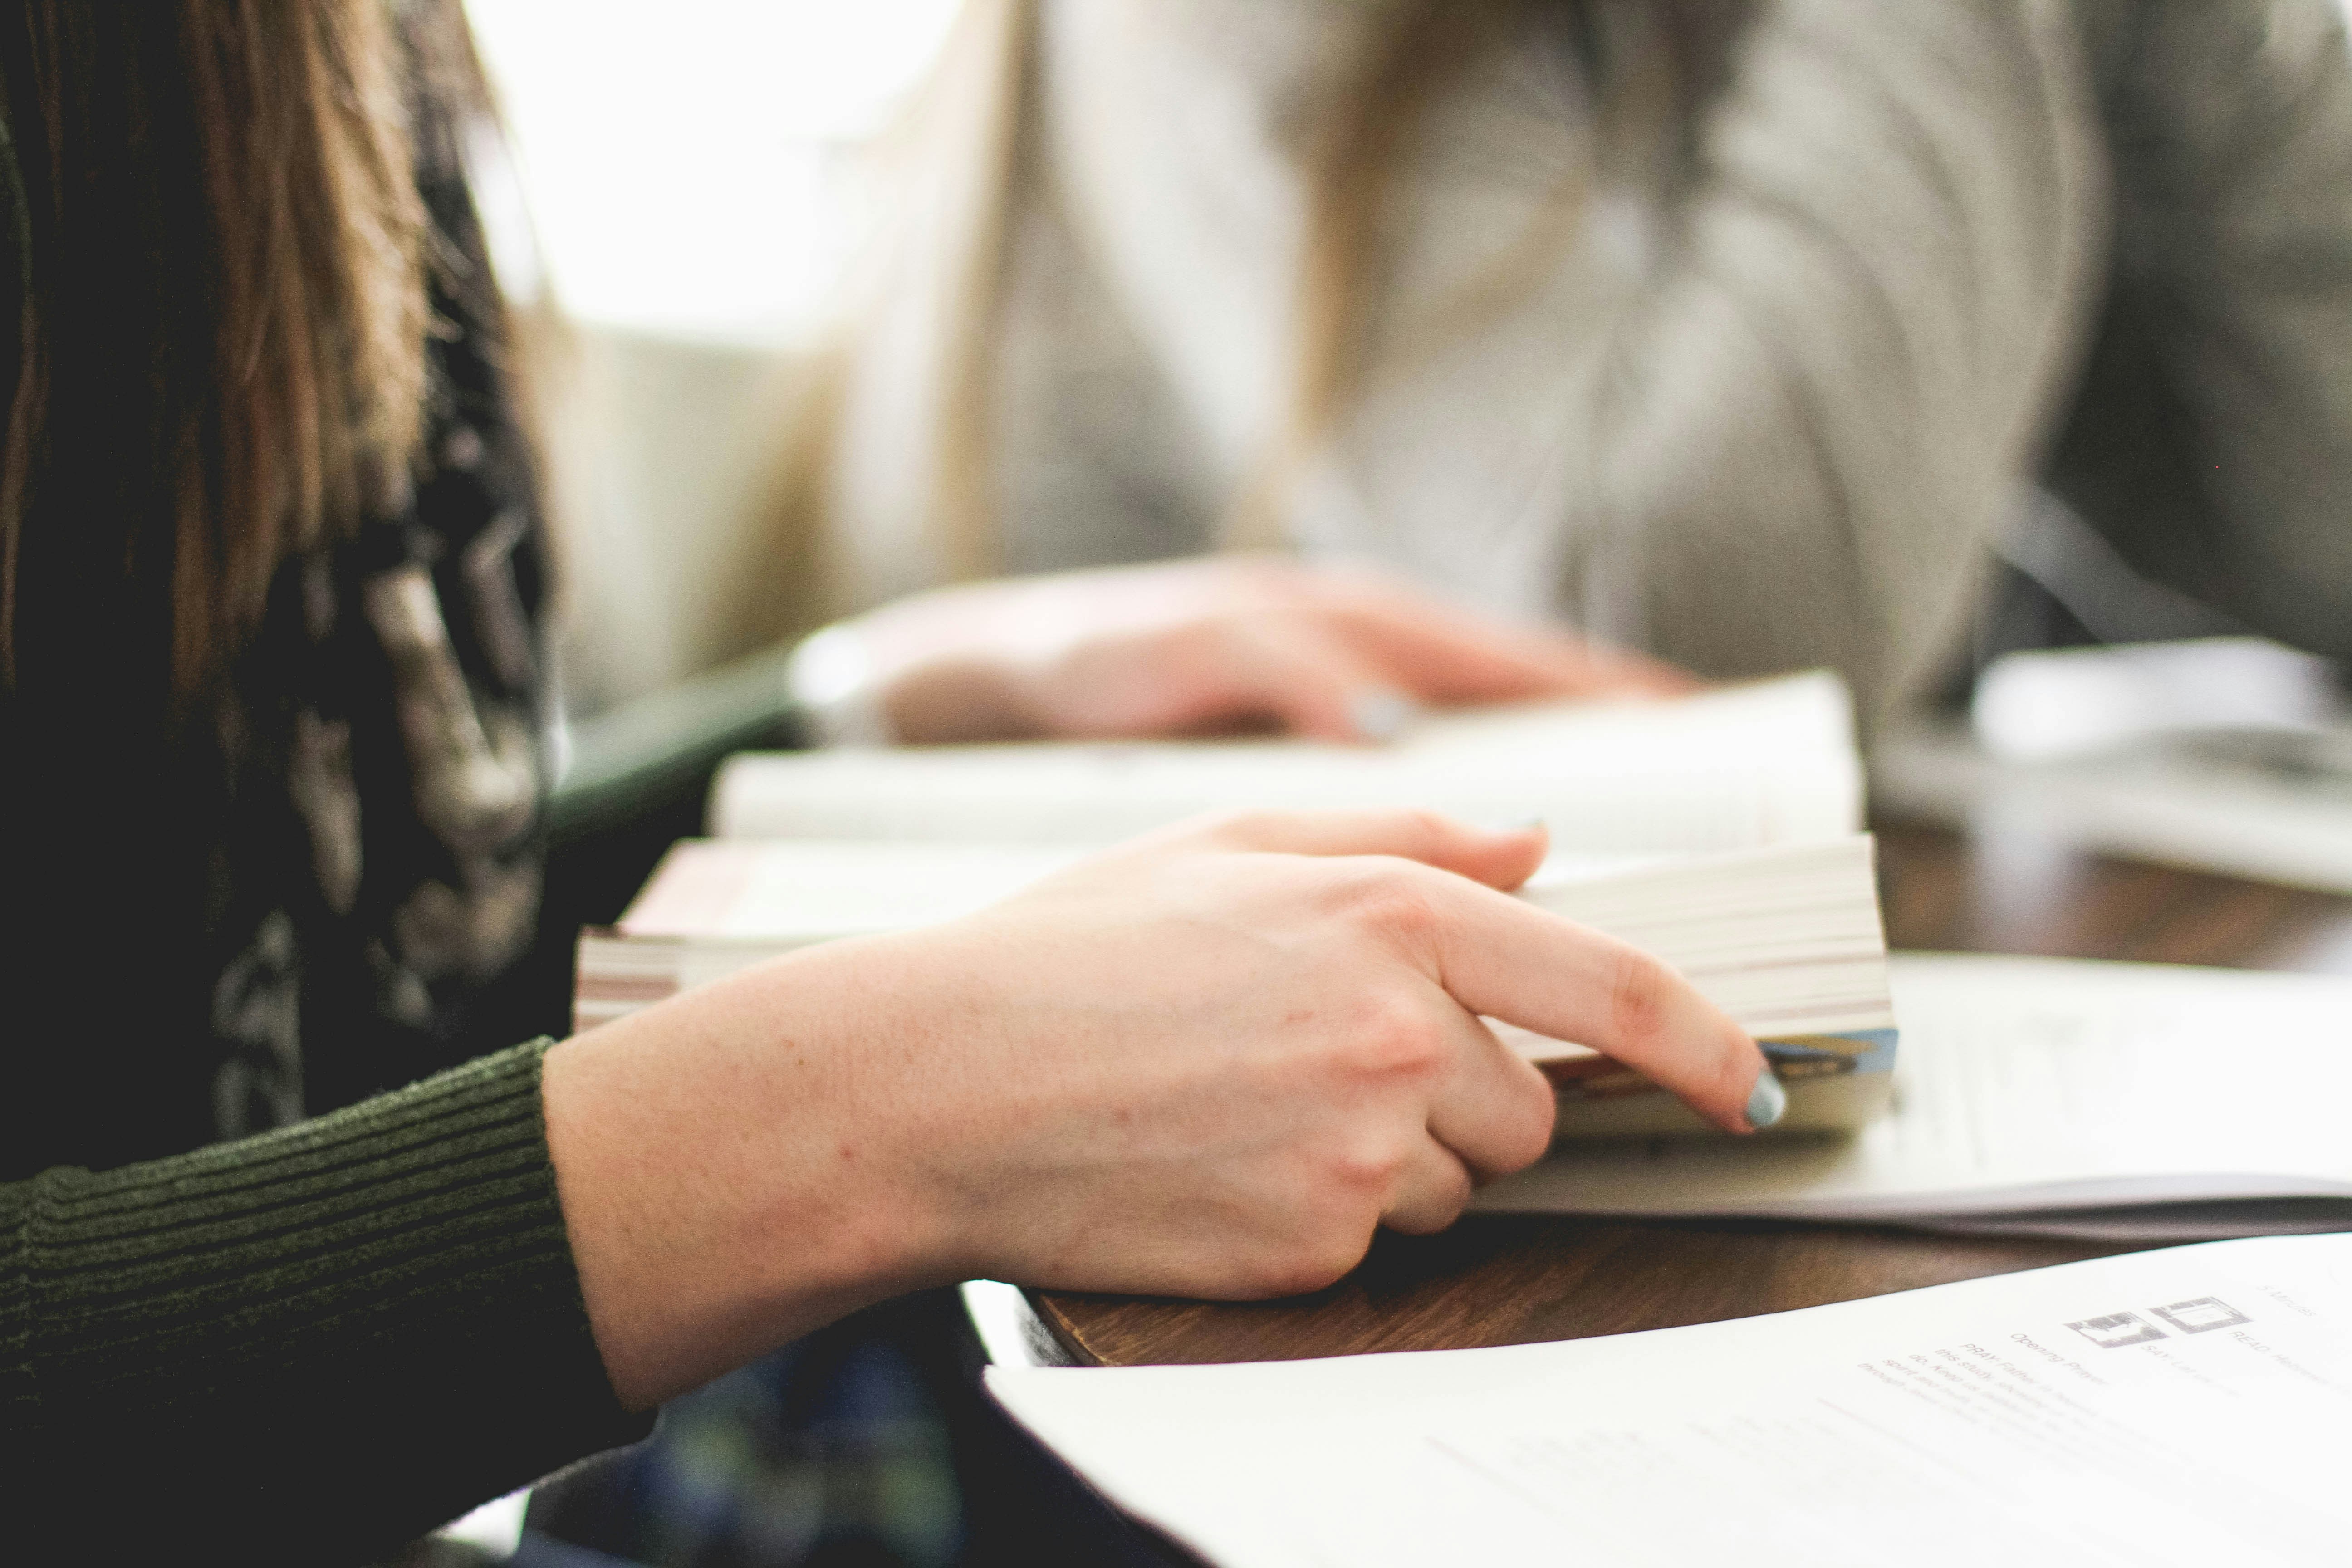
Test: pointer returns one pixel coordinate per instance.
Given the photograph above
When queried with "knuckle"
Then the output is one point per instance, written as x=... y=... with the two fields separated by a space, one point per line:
x=1526 y=1134
x=1435 y=1209
x=1327 y=1259
x=1383 y=896
x=1452 y=1198
x=1426 y=831
x=1395 y=1038
x=1641 y=999
x=1365 y=1170
x=1298 y=1275
x=1247 y=829
x=1317 y=1250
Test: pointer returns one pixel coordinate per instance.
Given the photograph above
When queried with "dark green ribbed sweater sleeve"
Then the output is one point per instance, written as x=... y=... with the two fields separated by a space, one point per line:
x=303 y=1347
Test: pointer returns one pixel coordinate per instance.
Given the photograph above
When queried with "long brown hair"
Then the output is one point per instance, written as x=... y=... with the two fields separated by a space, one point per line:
x=220 y=357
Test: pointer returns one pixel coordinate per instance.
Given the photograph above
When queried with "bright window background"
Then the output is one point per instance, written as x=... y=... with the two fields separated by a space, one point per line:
x=689 y=167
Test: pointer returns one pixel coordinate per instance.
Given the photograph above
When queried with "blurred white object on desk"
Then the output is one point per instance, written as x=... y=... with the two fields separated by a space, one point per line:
x=2227 y=754
x=2075 y=702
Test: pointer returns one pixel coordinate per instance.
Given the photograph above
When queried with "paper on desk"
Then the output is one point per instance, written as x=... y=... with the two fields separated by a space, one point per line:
x=2036 y=1084
x=2184 y=1408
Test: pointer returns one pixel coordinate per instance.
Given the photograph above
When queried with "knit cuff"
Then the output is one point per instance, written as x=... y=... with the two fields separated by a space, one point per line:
x=325 y=1340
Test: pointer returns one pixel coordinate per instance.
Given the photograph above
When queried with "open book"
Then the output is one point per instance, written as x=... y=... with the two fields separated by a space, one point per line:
x=1786 y=940
x=2052 y=1096
x=2181 y=1409
x=1770 y=763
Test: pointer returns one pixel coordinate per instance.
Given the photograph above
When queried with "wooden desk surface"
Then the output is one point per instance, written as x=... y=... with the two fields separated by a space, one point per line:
x=1509 y=1280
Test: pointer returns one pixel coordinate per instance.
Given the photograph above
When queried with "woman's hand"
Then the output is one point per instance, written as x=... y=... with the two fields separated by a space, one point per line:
x=1206 y=646
x=1211 y=1063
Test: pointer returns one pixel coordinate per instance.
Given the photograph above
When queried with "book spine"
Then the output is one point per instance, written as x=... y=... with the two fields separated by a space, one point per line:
x=1795 y=1059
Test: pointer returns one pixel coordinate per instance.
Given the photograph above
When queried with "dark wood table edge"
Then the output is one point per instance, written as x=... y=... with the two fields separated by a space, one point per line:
x=1938 y=898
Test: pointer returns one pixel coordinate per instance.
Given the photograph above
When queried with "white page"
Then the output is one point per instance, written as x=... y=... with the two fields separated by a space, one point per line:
x=802 y=891
x=2026 y=1083
x=1770 y=762
x=1816 y=965
x=1972 y=1425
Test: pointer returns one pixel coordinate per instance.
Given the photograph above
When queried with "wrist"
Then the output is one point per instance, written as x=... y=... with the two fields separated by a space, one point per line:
x=720 y=1181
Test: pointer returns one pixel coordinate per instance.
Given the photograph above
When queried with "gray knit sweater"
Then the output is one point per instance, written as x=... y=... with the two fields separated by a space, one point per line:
x=1758 y=392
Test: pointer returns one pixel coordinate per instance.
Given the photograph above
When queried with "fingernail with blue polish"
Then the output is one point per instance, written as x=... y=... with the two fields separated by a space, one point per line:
x=1381 y=715
x=1767 y=1100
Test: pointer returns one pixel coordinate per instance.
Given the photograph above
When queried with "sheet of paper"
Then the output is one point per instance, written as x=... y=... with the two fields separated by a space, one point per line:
x=2028 y=1083
x=2174 y=1409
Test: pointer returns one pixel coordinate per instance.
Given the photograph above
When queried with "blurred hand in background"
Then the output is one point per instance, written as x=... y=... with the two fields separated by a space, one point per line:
x=1217 y=646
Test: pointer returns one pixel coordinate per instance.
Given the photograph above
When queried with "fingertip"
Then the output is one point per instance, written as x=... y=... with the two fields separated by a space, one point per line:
x=1767 y=1102
x=1525 y=844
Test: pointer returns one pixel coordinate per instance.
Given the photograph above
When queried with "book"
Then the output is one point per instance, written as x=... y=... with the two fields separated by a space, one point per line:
x=1787 y=940
x=2045 y=1096
x=1774 y=761
x=2177 y=1408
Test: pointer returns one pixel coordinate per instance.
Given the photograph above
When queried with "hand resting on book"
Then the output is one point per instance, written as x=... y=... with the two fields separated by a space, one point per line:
x=1198 y=647
x=1209 y=1063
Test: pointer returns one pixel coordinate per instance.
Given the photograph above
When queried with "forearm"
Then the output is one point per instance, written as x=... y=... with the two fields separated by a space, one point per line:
x=706 y=1236
x=312 y=1345
x=1210 y=1062
x=1815 y=409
